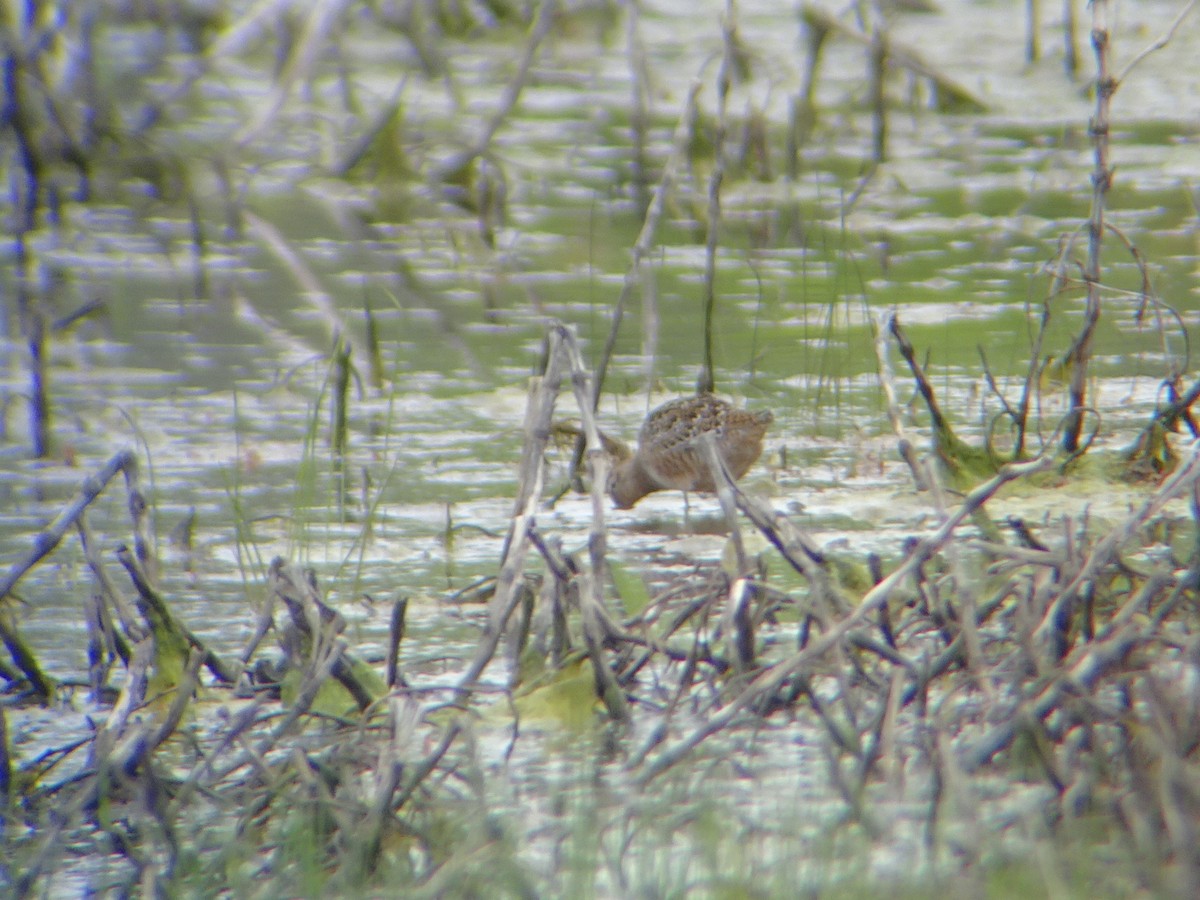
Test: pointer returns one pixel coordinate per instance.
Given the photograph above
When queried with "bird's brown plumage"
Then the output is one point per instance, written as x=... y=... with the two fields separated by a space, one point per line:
x=669 y=455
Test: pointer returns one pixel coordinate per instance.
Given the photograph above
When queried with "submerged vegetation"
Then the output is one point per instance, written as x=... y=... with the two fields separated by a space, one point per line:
x=1001 y=703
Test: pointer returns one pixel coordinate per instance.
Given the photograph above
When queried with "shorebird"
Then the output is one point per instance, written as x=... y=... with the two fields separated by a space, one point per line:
x=669 y=457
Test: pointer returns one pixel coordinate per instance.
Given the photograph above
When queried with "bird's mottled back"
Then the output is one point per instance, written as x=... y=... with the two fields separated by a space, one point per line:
x=669 y=456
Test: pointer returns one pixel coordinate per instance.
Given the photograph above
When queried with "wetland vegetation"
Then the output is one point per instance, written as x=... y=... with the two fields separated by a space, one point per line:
x=320 y=322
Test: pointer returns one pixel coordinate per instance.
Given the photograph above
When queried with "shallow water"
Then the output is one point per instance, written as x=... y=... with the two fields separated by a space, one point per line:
x=224 y=391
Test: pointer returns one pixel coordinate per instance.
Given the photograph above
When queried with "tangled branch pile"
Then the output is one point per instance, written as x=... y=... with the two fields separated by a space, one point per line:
x=1064 y=660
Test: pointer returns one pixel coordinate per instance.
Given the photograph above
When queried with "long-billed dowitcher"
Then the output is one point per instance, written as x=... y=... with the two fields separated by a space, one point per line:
x=669 y=456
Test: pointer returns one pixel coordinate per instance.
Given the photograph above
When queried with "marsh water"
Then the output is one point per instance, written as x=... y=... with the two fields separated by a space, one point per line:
x=213 y=363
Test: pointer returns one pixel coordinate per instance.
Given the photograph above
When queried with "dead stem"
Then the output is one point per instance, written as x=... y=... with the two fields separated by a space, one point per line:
x=706 y=382
x=923 y=477
x=773 y=677
x=1079 y=355
x=1181 y=482
x=45 y=542
x=643 y=247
